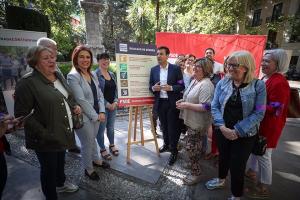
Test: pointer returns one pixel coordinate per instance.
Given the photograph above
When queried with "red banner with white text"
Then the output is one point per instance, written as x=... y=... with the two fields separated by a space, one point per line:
x=186 y=43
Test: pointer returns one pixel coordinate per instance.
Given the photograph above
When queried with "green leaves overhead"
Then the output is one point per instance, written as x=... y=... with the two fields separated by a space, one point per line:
x=196 y=16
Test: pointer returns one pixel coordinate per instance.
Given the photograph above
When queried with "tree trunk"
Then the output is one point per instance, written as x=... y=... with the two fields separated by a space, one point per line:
x=241 y=21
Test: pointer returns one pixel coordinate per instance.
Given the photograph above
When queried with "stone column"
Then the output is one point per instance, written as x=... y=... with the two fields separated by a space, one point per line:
x=93 y=10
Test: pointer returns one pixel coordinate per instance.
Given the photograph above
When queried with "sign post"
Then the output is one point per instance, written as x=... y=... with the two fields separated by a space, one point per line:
x=134 y=62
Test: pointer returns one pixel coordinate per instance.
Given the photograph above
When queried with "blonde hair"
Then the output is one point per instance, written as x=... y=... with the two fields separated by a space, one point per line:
x=280 y=57
x=245 y=59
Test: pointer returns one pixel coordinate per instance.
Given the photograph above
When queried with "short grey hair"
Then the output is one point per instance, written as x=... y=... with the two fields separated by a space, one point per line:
x=280 y=57
x=44 y=41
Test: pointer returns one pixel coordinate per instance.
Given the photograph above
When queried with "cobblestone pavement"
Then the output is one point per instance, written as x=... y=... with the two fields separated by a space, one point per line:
x=116 y=185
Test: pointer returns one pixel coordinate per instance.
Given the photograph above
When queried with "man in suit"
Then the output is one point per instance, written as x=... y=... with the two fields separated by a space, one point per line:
x=166 y=83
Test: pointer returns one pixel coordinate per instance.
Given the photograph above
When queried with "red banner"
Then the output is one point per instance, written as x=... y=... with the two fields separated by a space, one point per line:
x=183 y=43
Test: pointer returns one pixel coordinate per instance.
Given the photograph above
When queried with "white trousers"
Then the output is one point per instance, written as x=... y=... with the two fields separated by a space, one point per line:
x=263 y=166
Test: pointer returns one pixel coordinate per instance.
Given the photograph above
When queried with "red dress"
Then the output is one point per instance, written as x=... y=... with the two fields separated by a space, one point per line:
x=278 y=96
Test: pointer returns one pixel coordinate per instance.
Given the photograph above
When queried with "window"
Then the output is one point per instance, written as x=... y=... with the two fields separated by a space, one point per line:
x=277 y=11
x=256 y=18
x=294 y=60
x=271 y=43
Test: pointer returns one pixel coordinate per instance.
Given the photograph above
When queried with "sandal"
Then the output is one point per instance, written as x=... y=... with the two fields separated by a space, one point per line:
x=250 y=176
x=114 y=152
x=105 y=155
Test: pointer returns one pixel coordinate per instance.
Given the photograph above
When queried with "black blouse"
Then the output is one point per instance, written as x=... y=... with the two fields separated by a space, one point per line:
x=94 y=90
x=233 y=111
x=109 y=90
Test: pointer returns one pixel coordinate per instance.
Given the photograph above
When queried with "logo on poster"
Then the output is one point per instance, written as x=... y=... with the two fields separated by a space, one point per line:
x=123 y=47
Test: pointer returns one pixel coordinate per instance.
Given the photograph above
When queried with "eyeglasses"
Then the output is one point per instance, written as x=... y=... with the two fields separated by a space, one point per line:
x=234 y=66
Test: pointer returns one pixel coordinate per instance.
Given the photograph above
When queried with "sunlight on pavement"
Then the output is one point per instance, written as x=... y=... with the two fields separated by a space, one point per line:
x=293 y=147
x=289 y=176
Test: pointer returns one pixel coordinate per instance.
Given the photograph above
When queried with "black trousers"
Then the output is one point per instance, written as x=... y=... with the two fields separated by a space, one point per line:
x=169 y=119
x=233 y=156
x=3 y=173
x=52 y=172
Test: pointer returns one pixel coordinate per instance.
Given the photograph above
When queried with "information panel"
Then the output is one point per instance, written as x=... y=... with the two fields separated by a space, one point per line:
x=134 y=62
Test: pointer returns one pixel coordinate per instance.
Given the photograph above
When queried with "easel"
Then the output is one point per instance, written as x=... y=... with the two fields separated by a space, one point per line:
x=139 y=111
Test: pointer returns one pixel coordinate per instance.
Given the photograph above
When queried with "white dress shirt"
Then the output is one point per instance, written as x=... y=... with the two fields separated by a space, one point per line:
x=163 y=77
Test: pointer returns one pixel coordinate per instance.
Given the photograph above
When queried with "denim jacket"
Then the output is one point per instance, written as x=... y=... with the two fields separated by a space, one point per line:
x=253 y=98
x=101 y=80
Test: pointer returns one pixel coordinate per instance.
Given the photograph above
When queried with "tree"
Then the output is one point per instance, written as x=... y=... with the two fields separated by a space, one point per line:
x=115 y=25
x=59 y=13
x=198 y=16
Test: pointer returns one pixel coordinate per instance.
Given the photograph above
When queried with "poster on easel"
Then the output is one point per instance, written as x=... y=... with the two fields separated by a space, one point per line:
x=14 y=45
x=134 y=62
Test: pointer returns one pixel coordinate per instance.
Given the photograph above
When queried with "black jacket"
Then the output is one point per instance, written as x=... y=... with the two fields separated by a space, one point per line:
x=48 y=128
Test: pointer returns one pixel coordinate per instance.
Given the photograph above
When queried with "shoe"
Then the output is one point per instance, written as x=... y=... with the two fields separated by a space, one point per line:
x=215 y=183
x=104 y=165
x=68 y=188
x=172 y=159
x=114 y=151
x=75 y=150
x=105 y=155
x=164 y=148
x=233 y=198
x=93 y=176
x=191 y=180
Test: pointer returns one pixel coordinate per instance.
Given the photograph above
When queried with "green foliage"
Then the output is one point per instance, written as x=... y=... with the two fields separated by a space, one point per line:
x=115 y=25
x=59 y=13
x=198 y=16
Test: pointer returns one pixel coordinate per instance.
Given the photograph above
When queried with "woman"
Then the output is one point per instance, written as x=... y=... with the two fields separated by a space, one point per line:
x=274 y=64
x=194 y=110
x=44 y=98
x=238 y=107
x=108 y=86
x=189 y=62
x=85 y=88
x=186 y=77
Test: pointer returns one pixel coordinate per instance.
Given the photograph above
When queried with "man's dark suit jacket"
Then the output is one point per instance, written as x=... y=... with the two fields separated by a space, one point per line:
x=174 y=79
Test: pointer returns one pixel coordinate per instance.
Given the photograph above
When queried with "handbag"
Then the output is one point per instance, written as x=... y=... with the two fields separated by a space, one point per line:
x=260 y=145
x=77 y=121
x=76 y=118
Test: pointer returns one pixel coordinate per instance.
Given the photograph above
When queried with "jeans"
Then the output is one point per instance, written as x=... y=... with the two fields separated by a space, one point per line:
x=52 y=172
x=3 y=173
x=109 y=124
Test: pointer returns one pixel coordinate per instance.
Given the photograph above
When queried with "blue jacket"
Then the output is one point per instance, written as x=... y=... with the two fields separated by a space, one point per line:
x=174 y=79
x=101 y=80
x=253 y=98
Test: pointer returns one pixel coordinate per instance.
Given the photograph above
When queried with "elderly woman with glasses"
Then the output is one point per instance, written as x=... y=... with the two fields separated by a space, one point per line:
x=194 y=110
x=238 y=107
x=274 y=64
